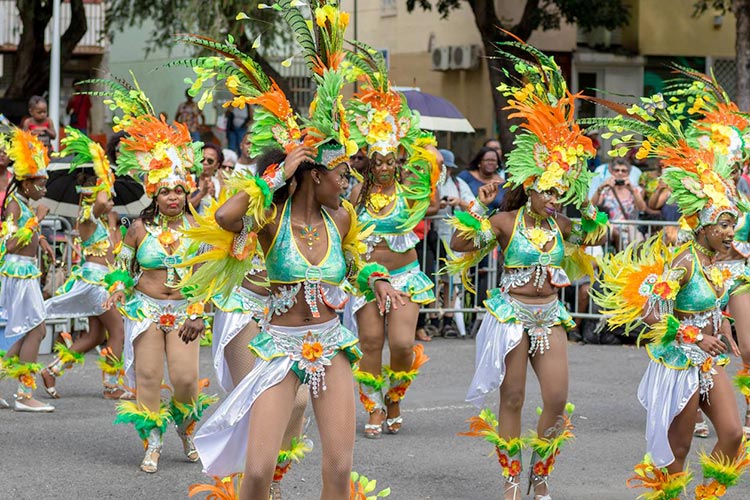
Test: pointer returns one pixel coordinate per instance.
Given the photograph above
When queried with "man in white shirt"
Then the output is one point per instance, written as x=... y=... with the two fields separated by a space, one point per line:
x=454 y=193
x=245 y=163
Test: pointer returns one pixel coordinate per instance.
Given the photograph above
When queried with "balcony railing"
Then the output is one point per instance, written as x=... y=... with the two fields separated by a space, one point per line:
x=93 y=42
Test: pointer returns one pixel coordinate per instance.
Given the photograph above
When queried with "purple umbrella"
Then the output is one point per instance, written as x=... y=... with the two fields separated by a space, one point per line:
x=436 y=113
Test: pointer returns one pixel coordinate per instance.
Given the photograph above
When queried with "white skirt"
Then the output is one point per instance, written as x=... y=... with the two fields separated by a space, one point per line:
x=22 y=300
x=222 y=439
x=664 y=392
x=84 y=299
x=226 y=327
x=494 y=341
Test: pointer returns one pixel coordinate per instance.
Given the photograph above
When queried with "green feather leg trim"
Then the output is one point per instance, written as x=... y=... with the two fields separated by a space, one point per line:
x=723 y=469
x=485 y=425
x=2 y=363
x=111 y=365
x=15 y=369
x=742 y=381
x=402 y=376
x=369 y=379
x=663 y=485
x=67 y=355
x=144 y=420
x=181 y=412
x=363 y=279
x=546 y=447
x=299 y=446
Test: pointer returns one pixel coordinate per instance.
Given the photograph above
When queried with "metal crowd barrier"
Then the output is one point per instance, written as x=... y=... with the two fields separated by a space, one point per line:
x=619 y=235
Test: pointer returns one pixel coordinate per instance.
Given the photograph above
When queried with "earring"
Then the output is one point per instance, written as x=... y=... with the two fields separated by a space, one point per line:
x=528 y=205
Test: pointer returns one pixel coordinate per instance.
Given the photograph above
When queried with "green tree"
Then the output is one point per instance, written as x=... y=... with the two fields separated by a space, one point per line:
x=215 y=19
x=32 y=60
x=741 y=11
x=537 y=14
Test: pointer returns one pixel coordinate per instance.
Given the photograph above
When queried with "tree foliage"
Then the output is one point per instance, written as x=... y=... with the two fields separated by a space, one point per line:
x=32 y=59
x=536 y=15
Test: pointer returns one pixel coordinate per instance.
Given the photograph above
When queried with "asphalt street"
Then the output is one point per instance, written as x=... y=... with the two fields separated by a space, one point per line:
x=77 y=454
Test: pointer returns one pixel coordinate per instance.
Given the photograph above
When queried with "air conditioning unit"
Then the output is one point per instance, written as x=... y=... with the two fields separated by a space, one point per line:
x=441 y=59
x=465 y=57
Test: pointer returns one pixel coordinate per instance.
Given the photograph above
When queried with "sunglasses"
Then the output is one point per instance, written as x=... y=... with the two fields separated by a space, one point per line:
x=208 y=161
x=226 y=167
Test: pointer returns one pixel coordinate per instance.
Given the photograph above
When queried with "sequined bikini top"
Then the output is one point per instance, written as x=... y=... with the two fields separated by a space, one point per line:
x=521 y=252
x=285 y=263
x=391 y=221
x=151 y=253
x=26 y=212
x=98 y=243
x=699 y=295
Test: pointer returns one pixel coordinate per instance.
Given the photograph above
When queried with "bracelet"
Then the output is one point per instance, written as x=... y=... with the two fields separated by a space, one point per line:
x=477 y=209
x=377 y=276
x=195 y=310
x=275 y=176
x=238 y=245
x=117 y=286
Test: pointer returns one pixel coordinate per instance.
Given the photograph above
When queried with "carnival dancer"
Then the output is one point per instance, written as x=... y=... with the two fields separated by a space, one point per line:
x=158 y=322
x=719 y=125
x=526 y=321
x=679 y=293
x=85 y=292
x=237 y=319
x=393 y=200
x=20 y=239
x=311 y=243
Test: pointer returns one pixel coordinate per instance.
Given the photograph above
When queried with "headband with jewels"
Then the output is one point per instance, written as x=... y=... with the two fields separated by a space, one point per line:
x=28 y=154
x=551 y=150
x=158 y=154
x=87 y=152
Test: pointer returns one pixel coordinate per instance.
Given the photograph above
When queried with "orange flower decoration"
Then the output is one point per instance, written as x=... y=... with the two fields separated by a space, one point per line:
x=167 y=320
x=662 y=289
x=28 y=380
x=515 y=467
x=368 y=403
x=711 y=491
x=167 y=238
x=312 y=351
x=689 y=333
x=196 y=308
x=707 y=365
x=503 y=459
x=397 y=393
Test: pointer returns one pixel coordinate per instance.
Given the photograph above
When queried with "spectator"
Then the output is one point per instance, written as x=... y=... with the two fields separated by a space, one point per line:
x=79 y=110
x=741 y=179
x=604 y=172
x=208 y=183
x=622 y=200
x=237 y=123
x=658 y=202
x=245 y=163
x=38 y=123
x=483 y=170
x=495 y=144
x=454 y=193
x=226 y=167
x=190 y=114
x=359 y=163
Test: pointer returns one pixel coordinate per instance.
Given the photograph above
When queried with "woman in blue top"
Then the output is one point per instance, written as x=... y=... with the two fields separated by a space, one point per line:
x=483 y=170
x=526 y=322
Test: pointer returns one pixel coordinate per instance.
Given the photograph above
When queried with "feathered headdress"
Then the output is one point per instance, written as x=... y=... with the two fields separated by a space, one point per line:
x=28 y=154
x=551 y=150
x=87 y=151
x=156 y=153
x=717 y=122
x=698 y=176
x=276 y=124
x=380 y=117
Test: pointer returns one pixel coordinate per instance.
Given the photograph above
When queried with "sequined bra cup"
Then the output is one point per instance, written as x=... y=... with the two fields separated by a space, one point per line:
x=98 y=243
x=152 y=255
x=698 y=295
x=26 y=212
x=285 y=263
x=387 y=227
x=523 y=260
